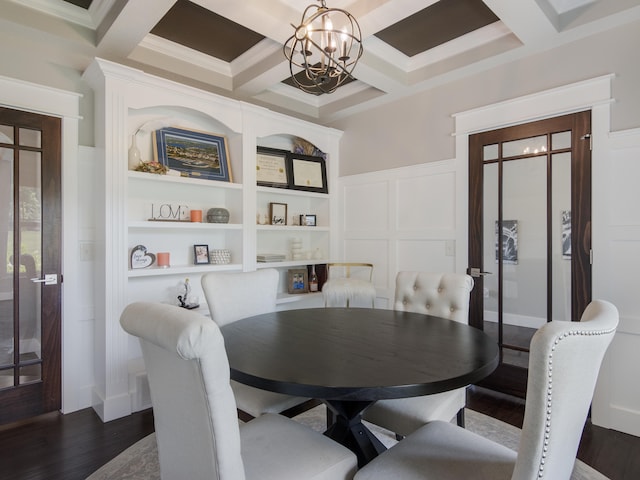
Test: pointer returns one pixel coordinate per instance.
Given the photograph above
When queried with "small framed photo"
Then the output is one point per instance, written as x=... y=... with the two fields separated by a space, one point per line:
x=308 y=173
x=307 y=220
x=298 y=281
x=200 y=254
x=194 y=154
x=278 y=213
x=272 y=168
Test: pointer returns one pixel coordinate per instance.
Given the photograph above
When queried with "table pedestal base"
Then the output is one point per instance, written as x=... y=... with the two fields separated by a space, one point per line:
x=348 y=430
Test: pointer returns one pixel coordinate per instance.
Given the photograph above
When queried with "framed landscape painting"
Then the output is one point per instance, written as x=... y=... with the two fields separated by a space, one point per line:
x=192 y=153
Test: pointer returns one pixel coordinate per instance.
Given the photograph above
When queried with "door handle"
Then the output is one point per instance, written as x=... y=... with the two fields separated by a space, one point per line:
x=476 y=272
x=49 y=279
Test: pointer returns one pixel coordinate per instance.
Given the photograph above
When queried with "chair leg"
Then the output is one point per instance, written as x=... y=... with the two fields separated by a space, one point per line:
x=331 y=418
x=460 y=417
x=289 y=412
x=301 y=408
x=244 y=416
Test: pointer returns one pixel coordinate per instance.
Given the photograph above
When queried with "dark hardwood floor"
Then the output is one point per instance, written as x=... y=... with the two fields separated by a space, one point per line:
x=70 y=447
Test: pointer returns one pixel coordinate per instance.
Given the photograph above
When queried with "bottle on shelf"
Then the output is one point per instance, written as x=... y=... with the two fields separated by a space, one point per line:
x=313 y=280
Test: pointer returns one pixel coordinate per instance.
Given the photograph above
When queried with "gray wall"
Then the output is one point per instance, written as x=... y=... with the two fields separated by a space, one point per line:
x=419 y=128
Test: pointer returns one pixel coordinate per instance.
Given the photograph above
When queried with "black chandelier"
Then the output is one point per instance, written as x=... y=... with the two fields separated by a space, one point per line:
x=326 y=47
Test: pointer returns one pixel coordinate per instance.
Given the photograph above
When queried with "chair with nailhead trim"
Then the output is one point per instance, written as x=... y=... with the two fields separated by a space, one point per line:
x=443 y=295
x=563 y=368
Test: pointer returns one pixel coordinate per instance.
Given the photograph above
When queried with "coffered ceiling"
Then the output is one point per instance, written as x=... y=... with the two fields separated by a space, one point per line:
x=234 y=48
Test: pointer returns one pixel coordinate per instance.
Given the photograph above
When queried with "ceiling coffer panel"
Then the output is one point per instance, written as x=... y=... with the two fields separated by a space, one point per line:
x=200 y=29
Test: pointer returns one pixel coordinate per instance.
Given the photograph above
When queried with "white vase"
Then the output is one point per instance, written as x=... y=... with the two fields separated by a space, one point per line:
x=134 y=154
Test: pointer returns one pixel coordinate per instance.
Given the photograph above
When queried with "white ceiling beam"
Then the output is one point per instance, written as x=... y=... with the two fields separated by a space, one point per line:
x=525 y=18
x=127 y=24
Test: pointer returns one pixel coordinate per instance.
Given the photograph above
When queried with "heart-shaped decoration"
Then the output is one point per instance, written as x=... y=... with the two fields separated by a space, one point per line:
x=140 y=258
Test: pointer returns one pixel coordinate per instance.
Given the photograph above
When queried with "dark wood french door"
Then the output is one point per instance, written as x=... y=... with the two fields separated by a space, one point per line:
x=529 y=234
x=30 y=246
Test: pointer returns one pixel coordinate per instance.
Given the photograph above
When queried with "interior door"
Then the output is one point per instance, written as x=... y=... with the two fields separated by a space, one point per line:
x=529 y=234
x=30 y=244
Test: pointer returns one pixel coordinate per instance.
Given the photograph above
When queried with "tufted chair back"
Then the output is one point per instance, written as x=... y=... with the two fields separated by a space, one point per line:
x=444 y=295
x=232 y=296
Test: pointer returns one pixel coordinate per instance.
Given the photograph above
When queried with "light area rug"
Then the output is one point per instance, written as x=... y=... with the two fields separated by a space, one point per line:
x=140 y=461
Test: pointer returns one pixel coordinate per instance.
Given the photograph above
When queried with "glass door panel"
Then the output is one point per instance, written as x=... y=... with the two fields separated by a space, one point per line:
x=30 y=254
x=524 y=146
x=491 y=290
x=6 y=251
x=524 y=257
x=561 y=235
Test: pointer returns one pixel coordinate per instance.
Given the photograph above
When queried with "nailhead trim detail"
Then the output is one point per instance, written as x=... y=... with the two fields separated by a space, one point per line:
x=547 y=434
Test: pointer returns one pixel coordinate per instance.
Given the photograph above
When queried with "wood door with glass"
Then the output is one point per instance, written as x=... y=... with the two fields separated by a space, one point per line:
x=30 y=243
x=529 y=234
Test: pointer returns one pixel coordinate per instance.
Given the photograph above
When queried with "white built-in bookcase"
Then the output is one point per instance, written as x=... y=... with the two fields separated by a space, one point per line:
x=128 y=100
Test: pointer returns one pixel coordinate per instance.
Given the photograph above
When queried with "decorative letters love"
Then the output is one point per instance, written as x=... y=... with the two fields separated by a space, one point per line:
x=169 y=212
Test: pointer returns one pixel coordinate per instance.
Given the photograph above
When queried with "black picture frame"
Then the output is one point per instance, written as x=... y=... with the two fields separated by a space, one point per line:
x=273 y=167
x=201 y=254
x=307 y=220
x=308 y=173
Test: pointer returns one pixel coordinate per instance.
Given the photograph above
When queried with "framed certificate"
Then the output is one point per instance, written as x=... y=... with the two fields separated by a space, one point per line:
x=308 y=173
x=272 y=168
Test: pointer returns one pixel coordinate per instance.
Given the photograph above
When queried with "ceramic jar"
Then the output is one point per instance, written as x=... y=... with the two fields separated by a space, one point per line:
x=218 y=215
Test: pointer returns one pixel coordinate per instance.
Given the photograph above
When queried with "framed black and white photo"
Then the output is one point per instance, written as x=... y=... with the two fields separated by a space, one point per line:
x=278 y=213
x=307 y=220
x=200 y=254
x=192 y=153
x=308 y=173
x=566 y=234
x=509 y=242
x=273 y=168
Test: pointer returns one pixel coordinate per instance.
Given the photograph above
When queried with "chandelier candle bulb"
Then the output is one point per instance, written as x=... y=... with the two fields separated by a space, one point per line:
x=344 y=57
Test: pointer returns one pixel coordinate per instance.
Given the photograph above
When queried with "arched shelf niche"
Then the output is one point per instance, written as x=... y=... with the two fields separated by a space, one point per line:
x=143 y=122
x=291 y=143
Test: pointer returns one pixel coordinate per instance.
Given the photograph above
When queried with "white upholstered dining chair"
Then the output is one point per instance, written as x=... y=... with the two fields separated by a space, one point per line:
x=564 y=362
x=443 y=295
x=231 y=297
x=197 y=432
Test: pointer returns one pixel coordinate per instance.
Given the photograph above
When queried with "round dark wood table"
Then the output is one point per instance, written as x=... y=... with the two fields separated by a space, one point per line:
x=351 y=357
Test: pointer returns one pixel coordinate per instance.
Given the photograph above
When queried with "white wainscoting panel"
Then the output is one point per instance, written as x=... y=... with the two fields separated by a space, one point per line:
x=426 y=202
x=423 y=256
x=365 y=207
x=616 y=250
x=399 y=219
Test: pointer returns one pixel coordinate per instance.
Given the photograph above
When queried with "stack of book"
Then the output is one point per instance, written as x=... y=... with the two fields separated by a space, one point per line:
x=271 y=257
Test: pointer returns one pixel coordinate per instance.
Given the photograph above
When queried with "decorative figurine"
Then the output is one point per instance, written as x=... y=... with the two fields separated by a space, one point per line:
x=185 y=290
